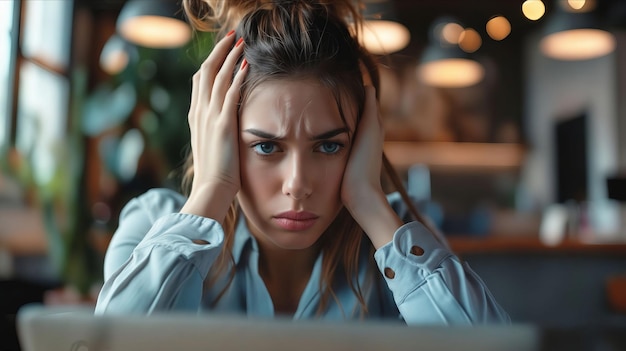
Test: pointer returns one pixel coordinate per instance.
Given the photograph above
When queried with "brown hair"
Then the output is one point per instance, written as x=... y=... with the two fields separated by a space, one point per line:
x=293 y=39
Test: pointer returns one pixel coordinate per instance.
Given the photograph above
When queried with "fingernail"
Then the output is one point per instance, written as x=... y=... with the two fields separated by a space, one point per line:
x=239 y=42
x=244 y=64
x=232 y=31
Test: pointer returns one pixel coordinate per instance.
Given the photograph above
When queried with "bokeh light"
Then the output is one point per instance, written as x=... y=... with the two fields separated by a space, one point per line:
x=533 y=9
x=498 y=28
x=470 y=40
x=451 y=33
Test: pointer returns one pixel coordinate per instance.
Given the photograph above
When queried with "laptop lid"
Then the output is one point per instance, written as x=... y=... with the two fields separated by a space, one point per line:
x=43 y=328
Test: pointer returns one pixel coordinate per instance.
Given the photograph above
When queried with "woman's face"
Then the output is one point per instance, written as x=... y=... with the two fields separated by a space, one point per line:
x=293 y=151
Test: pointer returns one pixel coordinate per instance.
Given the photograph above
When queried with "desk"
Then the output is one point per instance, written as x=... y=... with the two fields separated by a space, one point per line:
x=564 y=284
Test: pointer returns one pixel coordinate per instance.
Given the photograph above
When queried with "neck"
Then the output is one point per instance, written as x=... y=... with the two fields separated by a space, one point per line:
x=278 y=264
x=285 y=273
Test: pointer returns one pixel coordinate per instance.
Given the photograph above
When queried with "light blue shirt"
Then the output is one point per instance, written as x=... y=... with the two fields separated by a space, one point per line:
x=153 y=265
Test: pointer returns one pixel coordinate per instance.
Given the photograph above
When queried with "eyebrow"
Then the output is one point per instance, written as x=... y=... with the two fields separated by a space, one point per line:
x=326 y=135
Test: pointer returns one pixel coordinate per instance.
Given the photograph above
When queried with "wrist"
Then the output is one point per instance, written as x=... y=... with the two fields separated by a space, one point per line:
x=376 y=218
x=210 y=201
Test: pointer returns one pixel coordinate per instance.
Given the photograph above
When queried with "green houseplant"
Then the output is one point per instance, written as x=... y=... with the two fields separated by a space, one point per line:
x=150 y=96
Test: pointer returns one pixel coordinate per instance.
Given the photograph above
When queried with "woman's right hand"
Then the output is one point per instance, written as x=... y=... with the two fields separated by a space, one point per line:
x=213 y=124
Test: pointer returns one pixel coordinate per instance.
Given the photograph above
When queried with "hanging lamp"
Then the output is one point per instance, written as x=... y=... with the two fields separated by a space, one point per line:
x=444 y=64
x=382 y=34
x=153 y=23
x=574 y=36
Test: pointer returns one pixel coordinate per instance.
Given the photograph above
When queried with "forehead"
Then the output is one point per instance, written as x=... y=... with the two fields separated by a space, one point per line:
x=288 y=104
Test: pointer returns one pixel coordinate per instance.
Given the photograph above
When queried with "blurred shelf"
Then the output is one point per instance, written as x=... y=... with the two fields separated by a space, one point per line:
x=472 y=156
x=531 y=244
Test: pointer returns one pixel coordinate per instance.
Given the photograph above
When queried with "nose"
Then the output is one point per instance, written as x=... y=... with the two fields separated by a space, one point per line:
x=297 y=183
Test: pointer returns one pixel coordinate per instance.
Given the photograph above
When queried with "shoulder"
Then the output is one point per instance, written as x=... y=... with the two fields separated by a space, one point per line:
x=155 y=203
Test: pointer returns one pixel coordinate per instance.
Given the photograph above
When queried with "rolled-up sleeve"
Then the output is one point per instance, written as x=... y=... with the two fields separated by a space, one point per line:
x=430 y=285
x=166 y=270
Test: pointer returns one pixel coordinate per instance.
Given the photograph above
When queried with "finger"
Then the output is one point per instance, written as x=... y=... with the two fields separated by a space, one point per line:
x=367 y=108
x=370 y=132
x=191 y=116
x=195 y=88
x=371 y=106
x=370 y=98
x=209 y=68
x=225 y=74
x=231 y=102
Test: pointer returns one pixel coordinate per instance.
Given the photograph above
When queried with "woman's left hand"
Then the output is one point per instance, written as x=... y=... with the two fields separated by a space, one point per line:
x=361 y=189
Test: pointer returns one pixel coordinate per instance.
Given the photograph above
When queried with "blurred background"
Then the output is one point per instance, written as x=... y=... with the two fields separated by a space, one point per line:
x=505 y=119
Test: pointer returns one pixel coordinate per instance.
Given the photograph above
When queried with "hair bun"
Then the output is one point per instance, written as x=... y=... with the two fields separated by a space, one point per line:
x=224 y=15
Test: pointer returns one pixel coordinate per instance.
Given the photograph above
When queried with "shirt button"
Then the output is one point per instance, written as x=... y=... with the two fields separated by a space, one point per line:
x=417 y=251
x=200 y=242
x=389 y=273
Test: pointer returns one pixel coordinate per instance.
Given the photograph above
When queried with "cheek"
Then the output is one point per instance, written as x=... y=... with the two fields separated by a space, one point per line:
x=330 y=175
x=257 y=179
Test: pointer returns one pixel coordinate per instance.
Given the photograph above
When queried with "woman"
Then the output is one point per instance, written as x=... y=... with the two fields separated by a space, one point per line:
x=284 y=212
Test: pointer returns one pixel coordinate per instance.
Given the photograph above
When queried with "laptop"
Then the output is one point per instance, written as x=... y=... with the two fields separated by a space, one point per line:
x=43 y=328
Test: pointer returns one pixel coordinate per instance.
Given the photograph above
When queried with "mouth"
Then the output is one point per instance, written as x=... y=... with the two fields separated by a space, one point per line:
x=295 y=221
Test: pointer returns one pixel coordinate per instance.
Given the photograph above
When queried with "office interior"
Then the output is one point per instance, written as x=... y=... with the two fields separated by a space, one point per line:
x=509 y=135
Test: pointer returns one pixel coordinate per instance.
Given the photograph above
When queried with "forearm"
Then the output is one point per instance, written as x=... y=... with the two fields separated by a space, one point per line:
x=145 y=285
x=431 y=285
x=167 y=268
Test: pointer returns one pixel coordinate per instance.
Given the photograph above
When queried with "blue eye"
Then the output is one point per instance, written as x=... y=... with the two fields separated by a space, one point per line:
x=330 y=147
x=264 y=148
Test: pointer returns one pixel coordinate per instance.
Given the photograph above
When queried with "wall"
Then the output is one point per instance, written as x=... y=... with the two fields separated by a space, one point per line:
x=621 y=98
x=557 y=89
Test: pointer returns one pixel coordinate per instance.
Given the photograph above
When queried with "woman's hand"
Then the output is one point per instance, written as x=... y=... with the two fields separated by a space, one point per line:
x=361 y=190
x=213 y=124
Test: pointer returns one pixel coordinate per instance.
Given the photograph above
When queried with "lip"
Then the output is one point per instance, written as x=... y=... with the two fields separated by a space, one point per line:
x=295 y=221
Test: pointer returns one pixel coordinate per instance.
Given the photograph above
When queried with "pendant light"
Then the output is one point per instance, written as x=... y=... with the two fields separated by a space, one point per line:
x=449 y=67
x=153 y=24
x=382 y=34
x=573 y=36
x=444 y=64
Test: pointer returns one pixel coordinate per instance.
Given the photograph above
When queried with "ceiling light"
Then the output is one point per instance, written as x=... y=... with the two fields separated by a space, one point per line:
x=575 y=36
x=153 y=24
x=451 y=32
x=384 y=37
x=576 y=4
x=382 y=34
x=533 y=9
x=470 y=41
x=498 y=28
x=448 y=67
